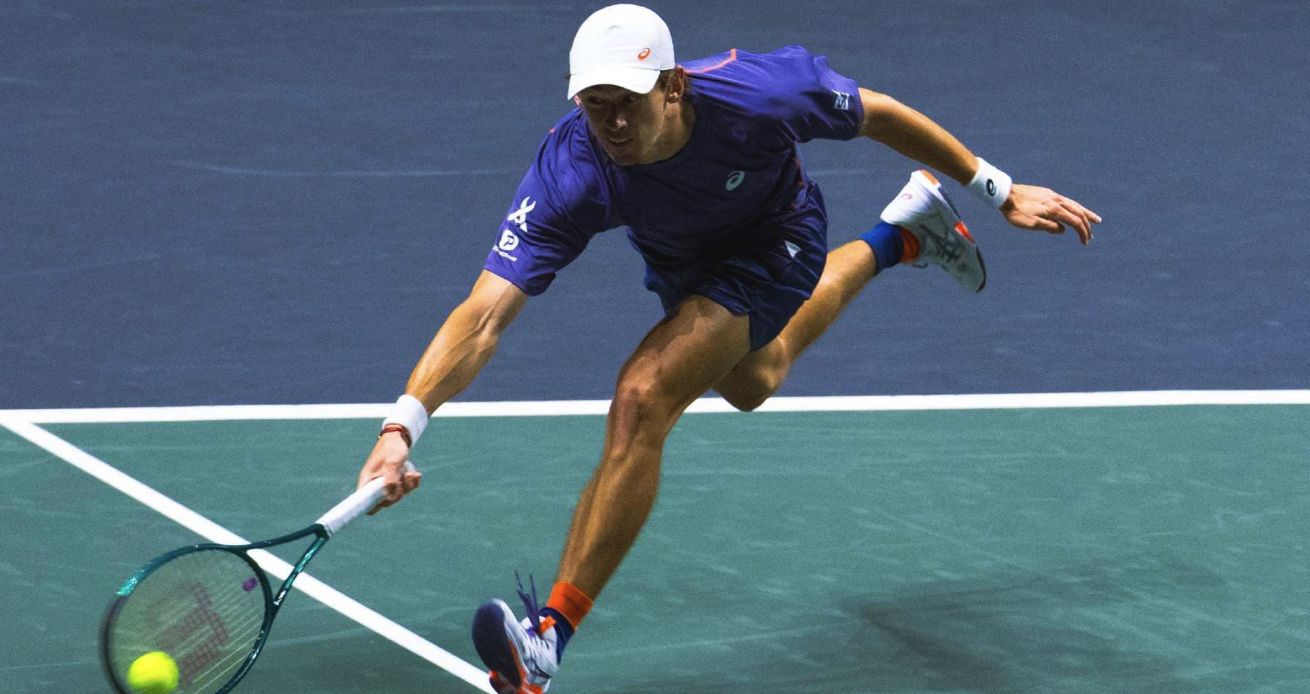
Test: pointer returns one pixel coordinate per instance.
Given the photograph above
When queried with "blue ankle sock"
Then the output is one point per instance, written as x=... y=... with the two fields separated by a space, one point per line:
x=563 y=630
x=885 y=239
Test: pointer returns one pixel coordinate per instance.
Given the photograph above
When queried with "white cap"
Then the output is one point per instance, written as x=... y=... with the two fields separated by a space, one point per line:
x=622 y=45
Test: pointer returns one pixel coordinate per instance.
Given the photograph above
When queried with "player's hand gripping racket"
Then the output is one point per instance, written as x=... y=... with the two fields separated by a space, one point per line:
x=205 y=610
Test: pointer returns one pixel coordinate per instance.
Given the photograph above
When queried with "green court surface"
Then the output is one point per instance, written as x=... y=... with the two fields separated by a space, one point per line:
x=1151 y=549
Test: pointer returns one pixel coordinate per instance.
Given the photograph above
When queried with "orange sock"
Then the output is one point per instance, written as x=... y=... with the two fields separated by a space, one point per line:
x=569 y=602
x=910 y=244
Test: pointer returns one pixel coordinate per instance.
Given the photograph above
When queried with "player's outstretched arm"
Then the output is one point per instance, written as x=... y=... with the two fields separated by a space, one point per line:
x=916 y=136
x=462 y=346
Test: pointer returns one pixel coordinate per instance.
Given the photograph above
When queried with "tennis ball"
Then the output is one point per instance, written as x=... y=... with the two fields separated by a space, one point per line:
x=153 y=673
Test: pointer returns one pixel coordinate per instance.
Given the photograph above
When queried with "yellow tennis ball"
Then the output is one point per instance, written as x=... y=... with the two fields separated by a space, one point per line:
x=153 y=673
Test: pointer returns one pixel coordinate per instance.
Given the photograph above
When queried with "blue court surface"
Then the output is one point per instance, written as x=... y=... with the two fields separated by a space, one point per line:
x=243 y=206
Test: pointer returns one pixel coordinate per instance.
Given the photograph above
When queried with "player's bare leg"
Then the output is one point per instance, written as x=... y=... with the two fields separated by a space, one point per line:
x=847 y=270
x=702 y=346
x=677 y=362
x=933 y=234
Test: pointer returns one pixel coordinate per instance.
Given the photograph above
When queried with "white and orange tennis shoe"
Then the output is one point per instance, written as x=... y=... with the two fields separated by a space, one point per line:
x=923 y=209
x=522 y=656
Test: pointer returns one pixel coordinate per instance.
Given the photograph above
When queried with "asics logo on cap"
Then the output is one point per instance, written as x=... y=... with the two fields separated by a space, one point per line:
x=622 y=45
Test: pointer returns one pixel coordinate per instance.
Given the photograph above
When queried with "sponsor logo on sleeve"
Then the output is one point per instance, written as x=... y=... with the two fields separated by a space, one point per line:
x=508 y=239
x=519 y=217
x=508 y=242
x=842 y=102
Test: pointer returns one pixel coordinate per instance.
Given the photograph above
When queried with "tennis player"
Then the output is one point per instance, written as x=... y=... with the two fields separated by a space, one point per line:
x=699 y=161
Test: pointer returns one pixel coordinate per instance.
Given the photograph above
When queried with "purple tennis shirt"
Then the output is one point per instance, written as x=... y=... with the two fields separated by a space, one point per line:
x=739 y=169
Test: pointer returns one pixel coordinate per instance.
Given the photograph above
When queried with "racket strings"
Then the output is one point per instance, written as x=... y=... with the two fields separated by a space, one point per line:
x=205 y=609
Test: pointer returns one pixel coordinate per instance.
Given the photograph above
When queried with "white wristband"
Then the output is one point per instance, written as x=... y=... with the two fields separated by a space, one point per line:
x=990 y=184
x=410 y=413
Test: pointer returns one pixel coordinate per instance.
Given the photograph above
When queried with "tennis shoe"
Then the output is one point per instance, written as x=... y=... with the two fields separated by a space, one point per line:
x=522 y=655
x=923 y=209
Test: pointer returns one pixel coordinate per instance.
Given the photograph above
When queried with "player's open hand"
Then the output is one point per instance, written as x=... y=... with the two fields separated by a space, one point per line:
x=1042 y=209
x=388 y=462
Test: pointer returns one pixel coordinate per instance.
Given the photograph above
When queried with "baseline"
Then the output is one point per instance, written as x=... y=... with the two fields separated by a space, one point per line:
x=545 y=408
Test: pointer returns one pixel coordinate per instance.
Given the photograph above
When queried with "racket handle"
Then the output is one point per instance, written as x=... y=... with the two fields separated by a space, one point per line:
x=364 y=498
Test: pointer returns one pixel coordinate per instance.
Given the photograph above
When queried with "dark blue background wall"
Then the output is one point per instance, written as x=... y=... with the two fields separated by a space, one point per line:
x=279 y=201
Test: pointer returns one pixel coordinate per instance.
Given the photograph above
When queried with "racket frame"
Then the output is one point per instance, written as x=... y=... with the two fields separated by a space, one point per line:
x=363 y=499
x=272 y=601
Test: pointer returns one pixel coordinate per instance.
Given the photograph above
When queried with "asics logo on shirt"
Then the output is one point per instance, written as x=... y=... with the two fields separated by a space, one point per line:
x=735 y=180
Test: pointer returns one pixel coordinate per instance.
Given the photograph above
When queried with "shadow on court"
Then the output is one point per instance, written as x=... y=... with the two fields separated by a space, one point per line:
x=1040 y=632
x=1017 y=631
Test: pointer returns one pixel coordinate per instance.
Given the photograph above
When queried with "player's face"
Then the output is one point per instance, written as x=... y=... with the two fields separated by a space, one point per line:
x=628 y=125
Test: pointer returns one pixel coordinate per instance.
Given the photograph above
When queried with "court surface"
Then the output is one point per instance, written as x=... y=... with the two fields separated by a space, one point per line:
x=1052 y=549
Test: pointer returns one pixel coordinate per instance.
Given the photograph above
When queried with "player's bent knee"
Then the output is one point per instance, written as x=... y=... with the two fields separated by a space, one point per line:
x=641 y=404
x=747 y=391
x=746 y=395
x=745 y=402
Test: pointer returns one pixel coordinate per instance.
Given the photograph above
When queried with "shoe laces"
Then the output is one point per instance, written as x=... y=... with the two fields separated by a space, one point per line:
x=942 y=249
x=532 y=606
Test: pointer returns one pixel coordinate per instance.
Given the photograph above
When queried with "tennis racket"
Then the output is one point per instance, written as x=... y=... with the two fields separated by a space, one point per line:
x=210 y=606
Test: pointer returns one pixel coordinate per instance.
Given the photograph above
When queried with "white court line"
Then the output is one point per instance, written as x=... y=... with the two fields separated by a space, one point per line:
x=215 y=533
x=545 y=408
